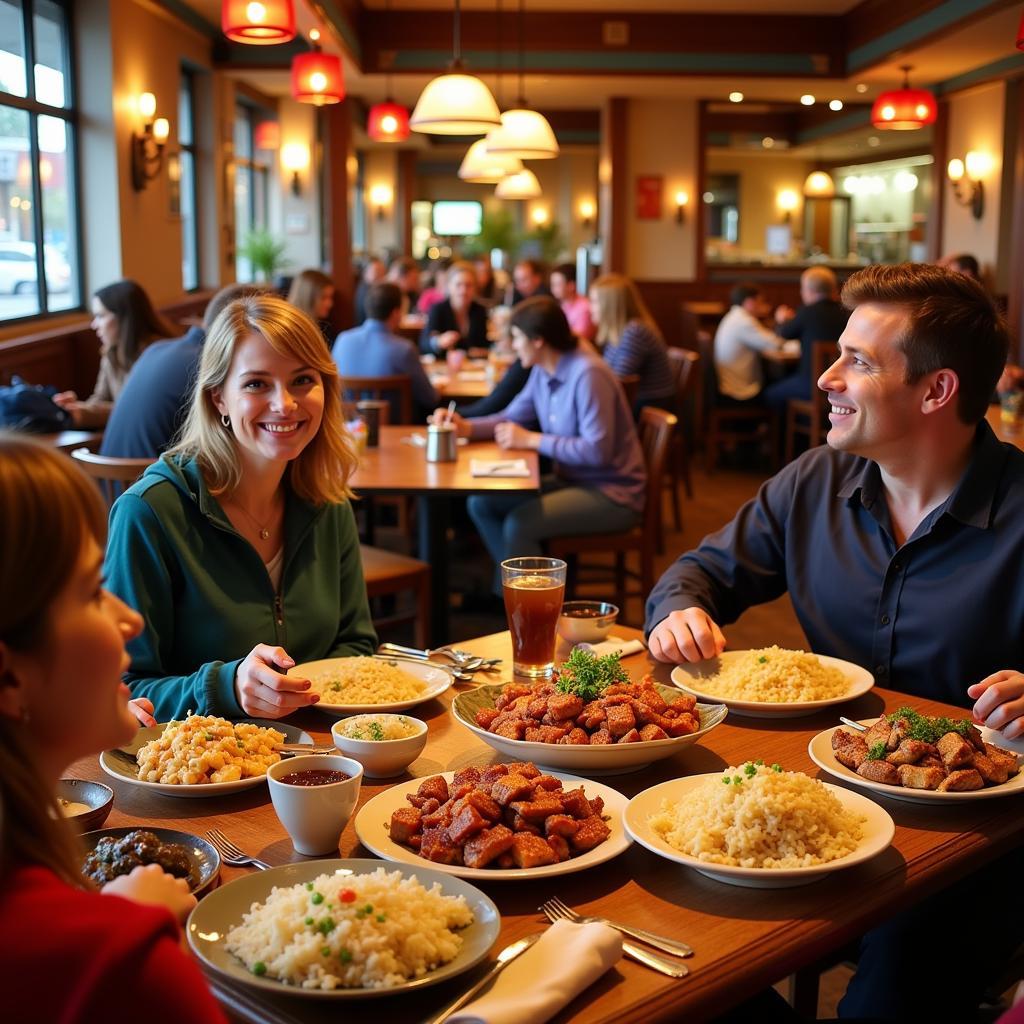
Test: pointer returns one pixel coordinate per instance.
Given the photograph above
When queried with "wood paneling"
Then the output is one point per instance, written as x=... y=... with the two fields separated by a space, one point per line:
x=406 y=194
x=337 y=129
x=617 y=127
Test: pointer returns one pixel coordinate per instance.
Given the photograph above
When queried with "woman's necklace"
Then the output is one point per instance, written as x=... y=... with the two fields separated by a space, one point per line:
x=262 y=528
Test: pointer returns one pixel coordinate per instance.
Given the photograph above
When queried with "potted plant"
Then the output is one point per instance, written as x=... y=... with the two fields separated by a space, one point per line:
x=264 y=252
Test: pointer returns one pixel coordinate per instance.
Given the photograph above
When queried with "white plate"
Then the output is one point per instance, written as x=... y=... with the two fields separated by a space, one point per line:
x=820 y=749
x=688 y=677
x=602 y=759
x=117 y=766
x=878 y=832
x=223 y=908
x=437 y=680
x=373 y=820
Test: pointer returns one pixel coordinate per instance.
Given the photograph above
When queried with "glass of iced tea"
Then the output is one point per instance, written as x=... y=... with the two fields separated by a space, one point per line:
x=534 y=589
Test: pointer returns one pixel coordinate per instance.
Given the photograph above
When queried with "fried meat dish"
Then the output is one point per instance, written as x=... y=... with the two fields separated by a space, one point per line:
x=502 y=816
x=624 y=713
x=922 y=752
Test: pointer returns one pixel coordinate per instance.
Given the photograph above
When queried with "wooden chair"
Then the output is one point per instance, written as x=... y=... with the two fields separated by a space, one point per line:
x=395 y=388
x=730 y=424
x=809 y=416
x=112 y=476
x=686 y=376
x=656 y=428
x=389 y=574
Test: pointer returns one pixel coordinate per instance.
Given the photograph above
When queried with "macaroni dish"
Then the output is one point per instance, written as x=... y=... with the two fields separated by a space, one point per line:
x=203 y=749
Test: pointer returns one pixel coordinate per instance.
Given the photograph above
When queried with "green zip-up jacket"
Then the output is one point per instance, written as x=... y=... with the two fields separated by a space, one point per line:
x=207 y=599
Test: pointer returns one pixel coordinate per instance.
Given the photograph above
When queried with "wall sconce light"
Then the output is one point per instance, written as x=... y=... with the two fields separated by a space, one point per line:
x=681 y=200
x=539 y=216
x=380 y=197
x=587 y=212
x=787 y=201
x=148 y=145
x=965 y=176
x=295 y=158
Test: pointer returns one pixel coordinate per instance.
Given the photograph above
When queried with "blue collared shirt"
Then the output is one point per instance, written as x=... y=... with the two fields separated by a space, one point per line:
x=585 y=423
x=929 y=617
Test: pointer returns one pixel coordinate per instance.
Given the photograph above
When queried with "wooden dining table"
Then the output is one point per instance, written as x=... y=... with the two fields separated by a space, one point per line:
x=396 y=467
x=743 y=939
x=69 y=440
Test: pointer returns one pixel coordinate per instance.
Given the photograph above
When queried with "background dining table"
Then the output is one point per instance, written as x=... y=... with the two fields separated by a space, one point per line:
x=397 y=467
x=743 y=939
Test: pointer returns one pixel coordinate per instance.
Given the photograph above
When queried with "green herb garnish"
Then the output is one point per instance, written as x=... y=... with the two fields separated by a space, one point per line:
x=335 y=687
x=877 y=751
x=588 y=676
x=345 y=956
x=309 y=921
x=376 y=732
x=325 y=950
x=309 y=886
x=750 y=769
x=326 y=925
x=381 y=918
x=776 y=767
x=762 y=660
x=929 y=729
x=726 y=779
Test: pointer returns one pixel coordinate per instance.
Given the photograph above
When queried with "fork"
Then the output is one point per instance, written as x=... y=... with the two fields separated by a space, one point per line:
x=661 y=964
x=231 y=854
x=556 y=908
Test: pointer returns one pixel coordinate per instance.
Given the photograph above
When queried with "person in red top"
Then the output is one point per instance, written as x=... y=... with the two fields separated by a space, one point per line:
x=70 y=953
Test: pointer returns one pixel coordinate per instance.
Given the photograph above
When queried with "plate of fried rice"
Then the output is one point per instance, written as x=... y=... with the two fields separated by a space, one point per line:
x=361 y=685
x=759 y=826
x=772 y=682
x=342 y=929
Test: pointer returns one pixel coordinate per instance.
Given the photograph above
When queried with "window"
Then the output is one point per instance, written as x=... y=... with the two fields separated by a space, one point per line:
x=37 y=162
x=252 y=170
x=188 y=184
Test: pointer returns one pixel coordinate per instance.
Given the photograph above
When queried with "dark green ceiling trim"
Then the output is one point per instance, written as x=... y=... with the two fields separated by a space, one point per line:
x=345 y=28
x=191 y=18
x=845 y=123
x=997 y=69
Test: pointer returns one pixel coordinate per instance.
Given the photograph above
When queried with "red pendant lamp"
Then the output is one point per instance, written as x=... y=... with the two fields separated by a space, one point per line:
x=262 y=22
x=904 y=109
x=317 y=77
x=388 y=122
x=1020 y=34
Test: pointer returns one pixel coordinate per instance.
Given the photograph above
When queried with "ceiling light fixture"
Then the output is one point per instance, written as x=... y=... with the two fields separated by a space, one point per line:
x=523 y=133
x=317 y=77
x=835 y=104
x=807 y=100
x=455 y=103
x=388 y=121
x=735 y=97
x=1020 y=34
x=819 y=185
x=259 y=22
x=479 y=167
x=904 y=109
x=523 y=185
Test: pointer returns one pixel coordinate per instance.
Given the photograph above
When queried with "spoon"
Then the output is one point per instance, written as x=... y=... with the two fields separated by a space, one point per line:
x=506 y=956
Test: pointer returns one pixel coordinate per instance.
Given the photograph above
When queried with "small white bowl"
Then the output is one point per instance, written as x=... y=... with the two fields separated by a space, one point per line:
x=314 y=816
x=588 y=629
x=381 y=759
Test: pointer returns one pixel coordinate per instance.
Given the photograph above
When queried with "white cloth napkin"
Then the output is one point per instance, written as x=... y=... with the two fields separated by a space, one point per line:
x=564 y=961
x=616 y=645
x=508 y=467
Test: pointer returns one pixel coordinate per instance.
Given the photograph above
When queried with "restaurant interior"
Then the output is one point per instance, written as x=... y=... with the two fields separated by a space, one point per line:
x=693 y=147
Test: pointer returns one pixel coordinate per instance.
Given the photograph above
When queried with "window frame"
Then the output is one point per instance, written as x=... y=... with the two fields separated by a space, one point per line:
x=70 y=115
x=248 y=112
x=188 y=82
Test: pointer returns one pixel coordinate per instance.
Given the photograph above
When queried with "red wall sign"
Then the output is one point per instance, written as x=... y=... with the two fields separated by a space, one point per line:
x=648 y=196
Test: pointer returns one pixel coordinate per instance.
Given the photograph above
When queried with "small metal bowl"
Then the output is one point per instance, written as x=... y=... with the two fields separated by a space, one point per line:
x=98 y=799
x=589 y=628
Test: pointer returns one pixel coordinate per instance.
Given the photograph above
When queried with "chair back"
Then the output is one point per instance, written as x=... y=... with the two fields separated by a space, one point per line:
x=689 y=324
x=396 y=389
x=655 y=428
x=823 y=354
x=112 y=476
x=631 y=385
x=687 y=369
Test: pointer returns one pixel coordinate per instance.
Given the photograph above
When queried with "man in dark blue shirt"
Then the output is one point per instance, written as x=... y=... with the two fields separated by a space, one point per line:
x=159 y=388
x=900 y=543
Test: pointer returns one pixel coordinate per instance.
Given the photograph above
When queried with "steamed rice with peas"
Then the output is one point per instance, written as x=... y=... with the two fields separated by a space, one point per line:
x=365 y=681
x=777 y=676
x=350 y=931
x=756 y=816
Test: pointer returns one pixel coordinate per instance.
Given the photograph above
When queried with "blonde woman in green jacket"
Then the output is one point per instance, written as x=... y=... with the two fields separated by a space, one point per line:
x=239 y=547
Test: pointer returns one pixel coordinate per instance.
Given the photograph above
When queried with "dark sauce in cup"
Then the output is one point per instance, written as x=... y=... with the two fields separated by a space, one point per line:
x=584 y=613
x=313 y=777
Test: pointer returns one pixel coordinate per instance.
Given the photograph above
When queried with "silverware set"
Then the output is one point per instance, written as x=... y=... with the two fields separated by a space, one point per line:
x=231 y=854
x=462 y=663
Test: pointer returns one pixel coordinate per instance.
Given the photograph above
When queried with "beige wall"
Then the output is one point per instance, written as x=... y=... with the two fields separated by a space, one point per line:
x=976 y=122
x=662 y=140
x=762 y=177
x=297 y=215
x=380 y=167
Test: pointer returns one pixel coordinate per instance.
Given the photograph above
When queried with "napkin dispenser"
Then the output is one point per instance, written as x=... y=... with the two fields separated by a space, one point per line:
x=441 y=442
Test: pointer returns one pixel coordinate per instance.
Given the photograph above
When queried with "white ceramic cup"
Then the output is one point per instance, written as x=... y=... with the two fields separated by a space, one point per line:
x=314 y=816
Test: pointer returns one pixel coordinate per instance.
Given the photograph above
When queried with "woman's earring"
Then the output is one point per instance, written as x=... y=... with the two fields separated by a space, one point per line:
x=226 y=420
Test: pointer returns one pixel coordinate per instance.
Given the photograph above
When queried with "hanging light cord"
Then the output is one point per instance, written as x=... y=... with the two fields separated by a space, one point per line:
x=456 y=37
x=497 y=76
x=522 y=91
x=387 y=77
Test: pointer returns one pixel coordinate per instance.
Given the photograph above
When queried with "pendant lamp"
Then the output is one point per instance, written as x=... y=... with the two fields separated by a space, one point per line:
x=523 y=133
x=261 y=22
x=455 y=103
x=1020 y=34
x=523 y=185
x=819 y=185
x=482 y=168
x=904 y=109
x=388 y=122
x=317 y=77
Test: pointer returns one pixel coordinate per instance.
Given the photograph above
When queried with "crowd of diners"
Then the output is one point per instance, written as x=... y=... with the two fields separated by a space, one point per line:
x=899 y=543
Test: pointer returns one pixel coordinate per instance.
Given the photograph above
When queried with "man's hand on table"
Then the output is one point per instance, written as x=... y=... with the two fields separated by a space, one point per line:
x=687 y=635
x=999 y=702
